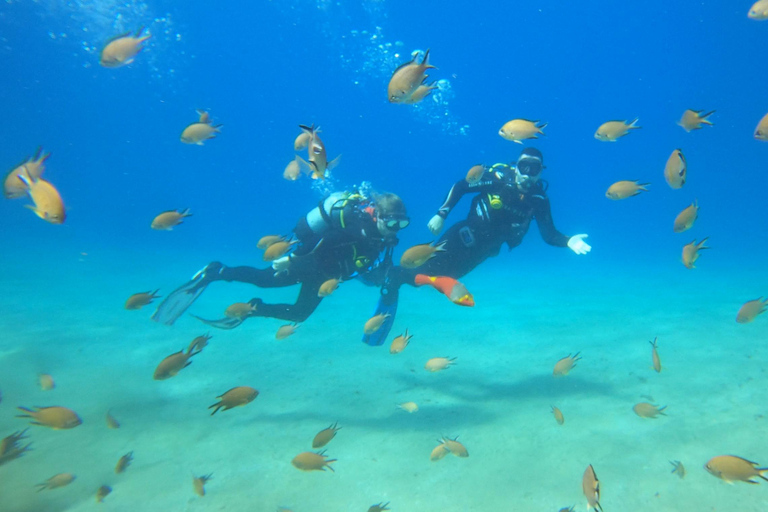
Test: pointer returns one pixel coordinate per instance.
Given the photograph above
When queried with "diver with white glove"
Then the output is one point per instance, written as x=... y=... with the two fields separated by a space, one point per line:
x=507 y=197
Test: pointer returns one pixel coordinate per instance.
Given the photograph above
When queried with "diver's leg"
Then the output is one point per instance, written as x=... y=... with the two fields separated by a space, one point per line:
x=261 y=277
x=460 y=255
x=306 y=303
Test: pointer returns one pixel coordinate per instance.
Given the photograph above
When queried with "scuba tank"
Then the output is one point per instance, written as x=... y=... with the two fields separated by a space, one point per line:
x=329 y=213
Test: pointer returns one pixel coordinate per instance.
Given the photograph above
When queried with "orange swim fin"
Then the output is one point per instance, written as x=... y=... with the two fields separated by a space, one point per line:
x=449 y=287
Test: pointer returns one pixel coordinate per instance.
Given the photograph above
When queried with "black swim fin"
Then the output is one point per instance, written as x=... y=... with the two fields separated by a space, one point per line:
x=177 y=302
x=387 y=305
x=222 y=323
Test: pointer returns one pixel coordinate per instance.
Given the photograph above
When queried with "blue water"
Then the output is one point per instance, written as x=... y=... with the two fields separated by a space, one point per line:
x=262 y=68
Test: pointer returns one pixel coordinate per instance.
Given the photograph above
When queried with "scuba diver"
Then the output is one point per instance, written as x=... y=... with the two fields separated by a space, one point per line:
x=508 y=198
x=343 y=237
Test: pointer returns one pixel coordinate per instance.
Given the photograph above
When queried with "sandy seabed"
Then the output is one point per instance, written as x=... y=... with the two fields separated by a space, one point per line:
x=67 y=320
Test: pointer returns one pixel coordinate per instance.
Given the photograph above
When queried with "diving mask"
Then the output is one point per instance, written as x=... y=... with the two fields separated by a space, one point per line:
x=395 y=224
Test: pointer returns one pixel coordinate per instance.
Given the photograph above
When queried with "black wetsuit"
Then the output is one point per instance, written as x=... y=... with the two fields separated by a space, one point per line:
x=500 y=213
x=348 y=245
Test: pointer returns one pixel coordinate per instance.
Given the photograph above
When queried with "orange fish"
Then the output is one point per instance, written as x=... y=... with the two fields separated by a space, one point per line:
x=449 y=286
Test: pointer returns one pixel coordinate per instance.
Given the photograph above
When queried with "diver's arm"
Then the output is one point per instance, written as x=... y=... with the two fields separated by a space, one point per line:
x=543 y=216
x=487 y=183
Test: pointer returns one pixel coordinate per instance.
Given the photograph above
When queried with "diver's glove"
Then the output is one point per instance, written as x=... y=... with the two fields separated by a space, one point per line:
x=577 y=244
x=281 y=265
x=436 y=224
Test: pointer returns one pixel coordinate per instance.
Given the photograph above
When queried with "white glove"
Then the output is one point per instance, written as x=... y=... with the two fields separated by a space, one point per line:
x=436 y=224
x=577 y=244
x=281 y=264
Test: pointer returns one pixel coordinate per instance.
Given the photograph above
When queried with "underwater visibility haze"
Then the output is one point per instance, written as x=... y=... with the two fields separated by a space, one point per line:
x=619 y=370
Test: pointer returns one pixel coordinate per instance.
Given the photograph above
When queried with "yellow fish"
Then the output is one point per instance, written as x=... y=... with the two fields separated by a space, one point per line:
x=277 y=250
x=685 y=219
x=439 y=363
x=418 y=255
x=48 y=203
x=676 y=169
x=646 y=410
x=102 y=493
x=677 y=467
x=421 y=92
x=407 y=78
x=268 y=240
x=168 y=219
x=202 y=130
x=761 y=132
x=121 y=50
x=292 y=170
x=559 y=418
x=111 y=421
x=693 y=119
x=400 y=342
x=518 y=130
x=374 y=323
x=138 y=300
x=302 y=140
x=691 y=252
x=124 y=462
x=10 y=449
x=46 y=382
x=285 y=331
x=56 y=481
x=318 y=164
x=475 y=174
x=655 y=356
x=311 y=461
x=455 y=447
x=198 y=483
x=324 y=437
x=750 y=309
x=235 y=397
x=328 y=287
x=759 y=10
x=33 y=167
x=566 y=364
x=240 y=310
x=735 y=469
x=590 y=486
x=55 y=417
x=624 y=189
x=174 y=363
x=612 y=130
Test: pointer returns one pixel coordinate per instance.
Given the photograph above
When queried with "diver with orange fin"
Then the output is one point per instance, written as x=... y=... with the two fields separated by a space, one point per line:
x=508 y=198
